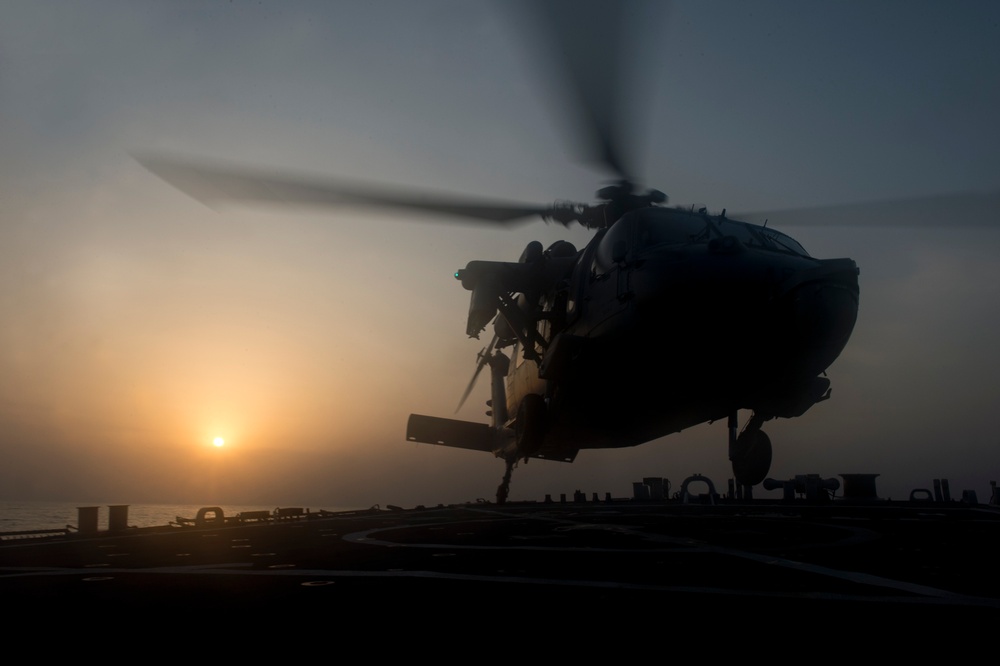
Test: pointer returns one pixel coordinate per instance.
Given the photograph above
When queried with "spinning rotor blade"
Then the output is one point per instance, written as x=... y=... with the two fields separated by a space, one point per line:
x=964 y=209
x=580 y=32
x=590 y=39
x=590 y=42
x=219 y=184
x=484 y=359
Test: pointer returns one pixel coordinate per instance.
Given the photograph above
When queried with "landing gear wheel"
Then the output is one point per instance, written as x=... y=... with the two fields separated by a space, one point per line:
x=752 y=457
x=530 y=425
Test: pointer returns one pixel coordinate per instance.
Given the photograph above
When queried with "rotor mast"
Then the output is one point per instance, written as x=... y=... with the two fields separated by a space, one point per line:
x=616 y=200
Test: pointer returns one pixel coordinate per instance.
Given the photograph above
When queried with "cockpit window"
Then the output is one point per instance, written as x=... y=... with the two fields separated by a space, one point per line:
x=657 y=227
x=784 y=241
x=755 y=236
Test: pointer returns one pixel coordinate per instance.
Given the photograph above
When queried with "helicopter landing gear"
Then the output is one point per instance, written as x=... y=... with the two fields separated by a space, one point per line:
x=529 y=431
x=750 y=453
x=504 y=488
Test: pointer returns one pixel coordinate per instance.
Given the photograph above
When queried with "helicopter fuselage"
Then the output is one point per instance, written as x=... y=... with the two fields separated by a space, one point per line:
x=667 y=319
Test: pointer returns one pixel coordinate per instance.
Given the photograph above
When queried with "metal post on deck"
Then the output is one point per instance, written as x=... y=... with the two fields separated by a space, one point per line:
x=86 y=519
x=118 y=517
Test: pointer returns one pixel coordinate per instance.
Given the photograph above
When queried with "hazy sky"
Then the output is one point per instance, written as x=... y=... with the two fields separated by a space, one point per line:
x=138 y=324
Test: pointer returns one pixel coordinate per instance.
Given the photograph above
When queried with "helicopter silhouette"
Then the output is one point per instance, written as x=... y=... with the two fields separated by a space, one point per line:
x=667 y=318
x=629 y=339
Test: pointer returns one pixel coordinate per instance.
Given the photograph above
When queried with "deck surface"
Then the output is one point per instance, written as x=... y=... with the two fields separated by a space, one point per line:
x=795 y=561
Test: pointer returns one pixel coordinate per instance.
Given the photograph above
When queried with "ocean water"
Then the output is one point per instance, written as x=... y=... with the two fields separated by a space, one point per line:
x=18 y=516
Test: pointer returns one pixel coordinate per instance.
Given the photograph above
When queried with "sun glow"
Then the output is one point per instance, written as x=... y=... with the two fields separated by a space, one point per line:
x=218 y=442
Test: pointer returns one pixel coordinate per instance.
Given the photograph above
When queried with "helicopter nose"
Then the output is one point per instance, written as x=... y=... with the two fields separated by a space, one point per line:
x=823 y=314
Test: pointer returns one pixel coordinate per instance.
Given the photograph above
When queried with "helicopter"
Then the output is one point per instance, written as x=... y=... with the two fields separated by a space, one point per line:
x=667 y=318
x=632 y=337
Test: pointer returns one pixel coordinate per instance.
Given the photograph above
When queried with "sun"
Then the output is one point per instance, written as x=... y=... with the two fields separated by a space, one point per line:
x=219 y=442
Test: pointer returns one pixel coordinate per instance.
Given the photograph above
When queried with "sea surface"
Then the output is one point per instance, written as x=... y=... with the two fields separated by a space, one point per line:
x=19 y=516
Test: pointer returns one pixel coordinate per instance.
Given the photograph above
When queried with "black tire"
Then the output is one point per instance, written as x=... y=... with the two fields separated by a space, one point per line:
x=752 y=460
